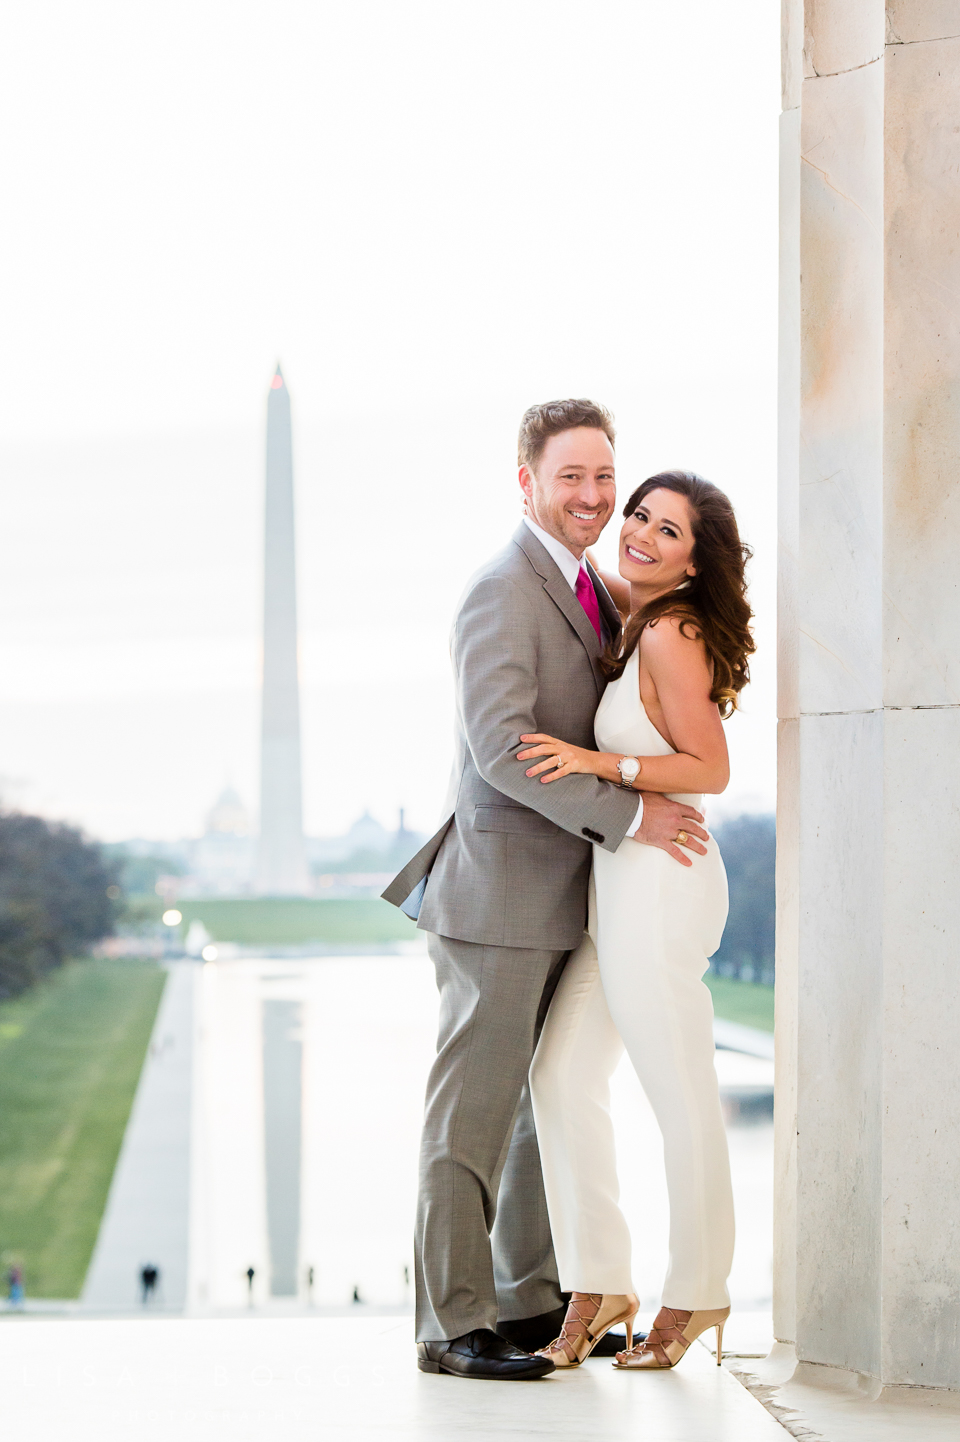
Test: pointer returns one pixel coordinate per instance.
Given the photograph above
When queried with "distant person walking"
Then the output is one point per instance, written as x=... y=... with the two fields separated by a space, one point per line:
x=15 y=1285
x=149 y=1276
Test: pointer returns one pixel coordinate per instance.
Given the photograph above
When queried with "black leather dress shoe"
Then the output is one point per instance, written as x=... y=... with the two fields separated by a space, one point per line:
x=532 y=1333
x=481 y=1354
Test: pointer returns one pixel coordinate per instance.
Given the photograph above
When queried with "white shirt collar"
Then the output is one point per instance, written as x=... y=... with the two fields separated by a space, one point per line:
x=569 y=565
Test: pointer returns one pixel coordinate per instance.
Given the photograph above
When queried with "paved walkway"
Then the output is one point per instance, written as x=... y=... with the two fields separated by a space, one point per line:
x=333 y=1378
x=147 y=1213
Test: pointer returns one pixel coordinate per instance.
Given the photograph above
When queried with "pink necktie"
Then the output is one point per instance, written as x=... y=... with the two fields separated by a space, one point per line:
x=587 y=597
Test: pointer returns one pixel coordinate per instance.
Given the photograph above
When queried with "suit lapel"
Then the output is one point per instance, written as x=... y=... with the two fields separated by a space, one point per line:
x=562 y=596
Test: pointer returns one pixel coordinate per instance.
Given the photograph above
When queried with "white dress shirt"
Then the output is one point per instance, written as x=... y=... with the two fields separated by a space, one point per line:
x=570 y=568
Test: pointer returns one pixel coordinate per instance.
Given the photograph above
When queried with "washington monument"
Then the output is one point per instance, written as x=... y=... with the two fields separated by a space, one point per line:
x=281 y=857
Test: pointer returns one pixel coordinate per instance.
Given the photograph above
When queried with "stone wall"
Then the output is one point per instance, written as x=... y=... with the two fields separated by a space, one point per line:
x=868 y=1240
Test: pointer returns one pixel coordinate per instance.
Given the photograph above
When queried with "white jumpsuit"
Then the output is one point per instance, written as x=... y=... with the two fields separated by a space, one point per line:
x=636 y=981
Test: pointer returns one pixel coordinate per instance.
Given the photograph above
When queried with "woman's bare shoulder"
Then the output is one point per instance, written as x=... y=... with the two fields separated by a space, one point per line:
x=672 y=650
x=671 y=635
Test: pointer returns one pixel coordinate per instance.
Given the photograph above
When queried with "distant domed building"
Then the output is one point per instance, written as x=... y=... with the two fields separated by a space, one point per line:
x=228 y=816
x=367 y=834
x=223 y=858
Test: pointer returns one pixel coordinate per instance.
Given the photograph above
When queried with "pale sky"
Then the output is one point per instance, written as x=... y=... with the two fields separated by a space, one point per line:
x=433 y=215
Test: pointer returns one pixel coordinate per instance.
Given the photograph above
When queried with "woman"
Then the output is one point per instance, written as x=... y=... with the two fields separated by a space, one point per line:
x=636 y=980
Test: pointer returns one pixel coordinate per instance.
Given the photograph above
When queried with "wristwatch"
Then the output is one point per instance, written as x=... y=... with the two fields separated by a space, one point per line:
x=629 y=768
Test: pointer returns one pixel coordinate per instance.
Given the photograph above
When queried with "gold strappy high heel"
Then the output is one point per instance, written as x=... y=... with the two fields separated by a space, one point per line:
x=671 y=1335
x=580 y=1334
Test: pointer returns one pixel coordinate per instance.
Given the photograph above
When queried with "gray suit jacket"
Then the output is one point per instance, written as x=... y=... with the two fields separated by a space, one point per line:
x=511 y=862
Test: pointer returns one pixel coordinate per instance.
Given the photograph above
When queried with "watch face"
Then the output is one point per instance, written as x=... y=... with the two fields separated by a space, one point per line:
x=629 y=768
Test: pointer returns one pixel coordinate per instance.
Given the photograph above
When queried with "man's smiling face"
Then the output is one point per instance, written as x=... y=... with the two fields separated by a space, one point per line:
x=573 y=493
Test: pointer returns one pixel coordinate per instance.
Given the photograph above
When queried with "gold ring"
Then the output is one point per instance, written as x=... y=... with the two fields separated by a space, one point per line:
x=682 y=838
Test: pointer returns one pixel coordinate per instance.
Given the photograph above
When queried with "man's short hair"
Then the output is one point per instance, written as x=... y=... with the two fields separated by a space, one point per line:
x=541 y=422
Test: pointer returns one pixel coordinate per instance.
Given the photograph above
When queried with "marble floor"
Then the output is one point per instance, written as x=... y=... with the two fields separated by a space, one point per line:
x=824 y=1404
x=302 y=1378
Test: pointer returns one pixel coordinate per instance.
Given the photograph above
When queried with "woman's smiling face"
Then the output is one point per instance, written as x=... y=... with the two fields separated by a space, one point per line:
x=657 y=543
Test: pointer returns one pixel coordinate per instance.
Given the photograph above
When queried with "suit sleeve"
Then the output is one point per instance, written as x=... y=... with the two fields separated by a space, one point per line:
x=496 y=642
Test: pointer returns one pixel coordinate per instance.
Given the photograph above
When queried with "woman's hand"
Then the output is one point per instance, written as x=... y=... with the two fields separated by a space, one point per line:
x=561 y=758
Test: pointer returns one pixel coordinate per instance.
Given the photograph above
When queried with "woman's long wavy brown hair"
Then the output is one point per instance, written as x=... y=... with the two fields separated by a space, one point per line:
x=714 y=603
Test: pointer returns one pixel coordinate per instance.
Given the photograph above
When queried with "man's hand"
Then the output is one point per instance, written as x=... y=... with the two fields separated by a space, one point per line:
x=663 y=821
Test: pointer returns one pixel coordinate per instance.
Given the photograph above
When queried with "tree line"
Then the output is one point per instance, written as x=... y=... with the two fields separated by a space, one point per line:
x=748 y=845
x=58 y=895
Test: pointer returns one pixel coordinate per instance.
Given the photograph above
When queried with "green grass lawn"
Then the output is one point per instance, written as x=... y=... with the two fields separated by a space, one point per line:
x=70 y=1057
x=290 y=920
x=743 y=1001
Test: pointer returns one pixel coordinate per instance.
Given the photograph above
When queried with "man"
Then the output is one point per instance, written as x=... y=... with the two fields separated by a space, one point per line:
x=502 y=891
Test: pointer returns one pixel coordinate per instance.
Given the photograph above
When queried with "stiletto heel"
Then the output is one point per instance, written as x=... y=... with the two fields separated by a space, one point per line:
x=671 y=1335
x=579 y=1334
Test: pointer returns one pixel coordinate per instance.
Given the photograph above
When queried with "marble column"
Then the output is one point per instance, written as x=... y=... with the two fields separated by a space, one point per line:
x=788 y=836
x=868 y=1237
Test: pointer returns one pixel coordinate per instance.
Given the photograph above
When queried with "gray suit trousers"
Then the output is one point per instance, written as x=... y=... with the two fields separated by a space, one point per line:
x=483 y=1244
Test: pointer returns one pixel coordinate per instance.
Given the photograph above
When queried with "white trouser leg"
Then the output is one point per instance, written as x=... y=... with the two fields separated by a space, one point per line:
x=652 y=960
x=578 y=1052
